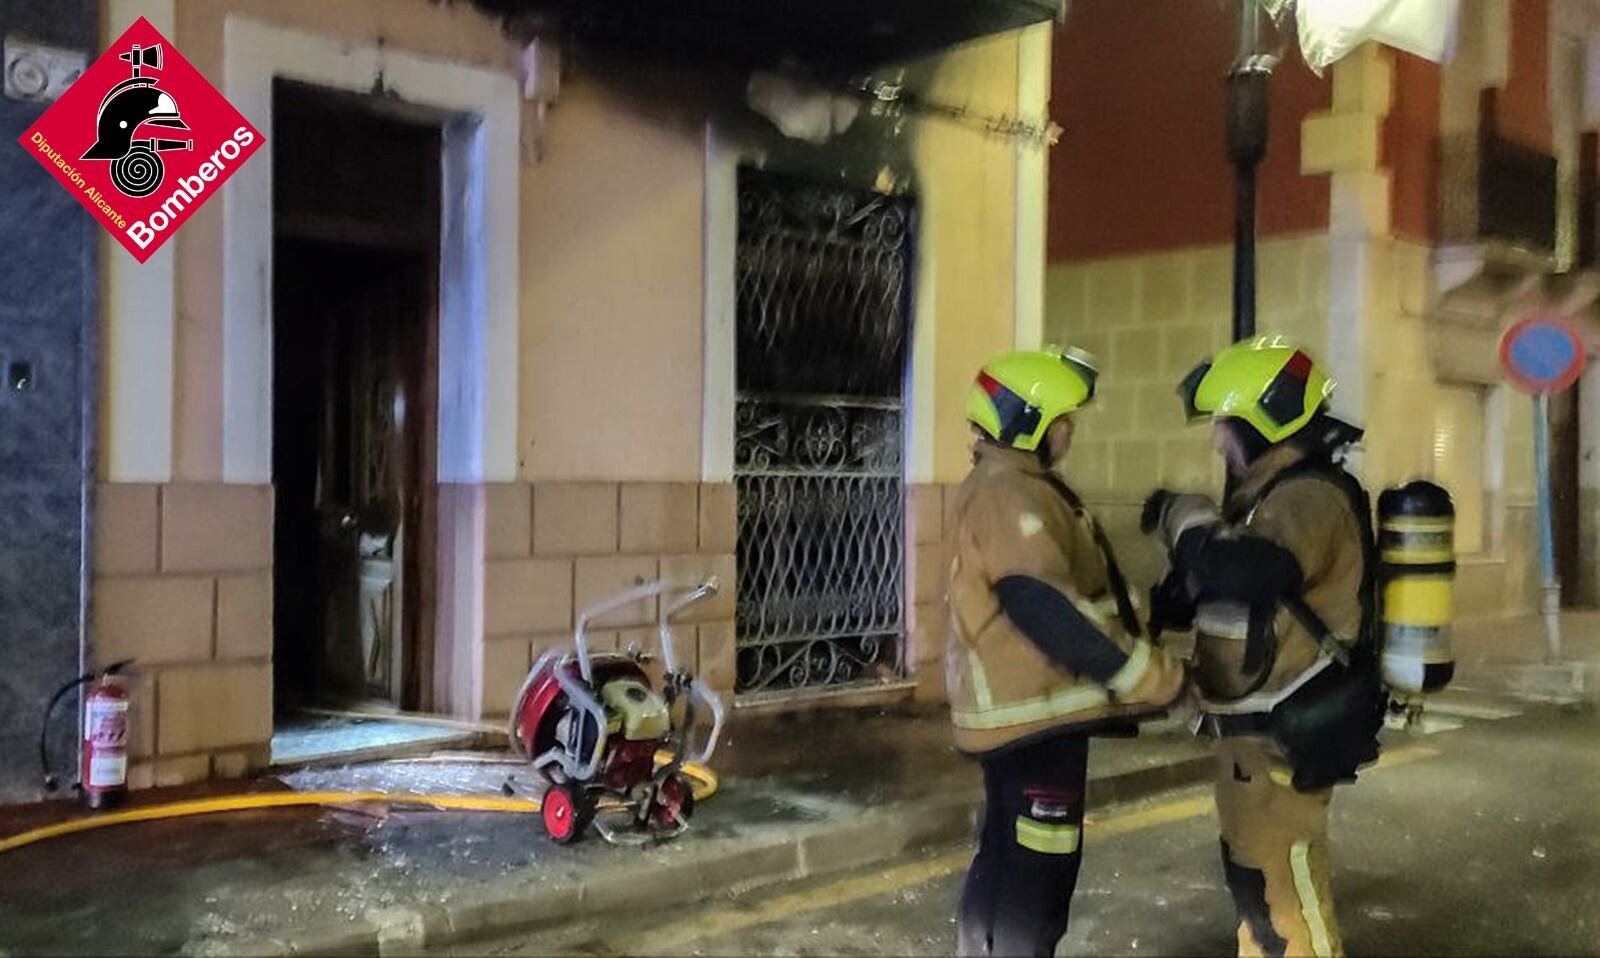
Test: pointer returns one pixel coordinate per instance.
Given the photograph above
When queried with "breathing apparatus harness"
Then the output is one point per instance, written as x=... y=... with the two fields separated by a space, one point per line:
x=1327 y=719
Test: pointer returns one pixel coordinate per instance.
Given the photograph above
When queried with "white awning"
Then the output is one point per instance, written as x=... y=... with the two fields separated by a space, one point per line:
x=1329 y=29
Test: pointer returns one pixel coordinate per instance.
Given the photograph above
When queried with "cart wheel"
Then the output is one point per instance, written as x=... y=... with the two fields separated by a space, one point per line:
x=566 y=814
x=674 y=803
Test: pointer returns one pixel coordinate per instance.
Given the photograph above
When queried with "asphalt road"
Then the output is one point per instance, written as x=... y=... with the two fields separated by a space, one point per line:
x=1480 y=838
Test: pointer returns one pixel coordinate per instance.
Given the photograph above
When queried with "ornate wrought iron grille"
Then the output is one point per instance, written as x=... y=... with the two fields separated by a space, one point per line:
x=823 y=289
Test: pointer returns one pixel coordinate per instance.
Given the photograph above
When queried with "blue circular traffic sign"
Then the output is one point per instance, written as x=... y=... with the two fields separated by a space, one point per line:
x=1541 y=354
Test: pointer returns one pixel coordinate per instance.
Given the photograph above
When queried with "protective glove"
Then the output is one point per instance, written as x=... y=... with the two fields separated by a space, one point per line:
x=1168 y=515
x=1165 y=682
x=1172 y=604
x=1154 y=505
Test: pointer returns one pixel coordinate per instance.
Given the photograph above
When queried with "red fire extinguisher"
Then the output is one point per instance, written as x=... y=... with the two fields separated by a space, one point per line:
x=103 y=773
x=105 y=743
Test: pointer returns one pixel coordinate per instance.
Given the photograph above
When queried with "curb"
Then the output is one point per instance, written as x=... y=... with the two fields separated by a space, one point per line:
x=1556 y=682
x=1559 y=681
x=807 y=852
x=1145 y=782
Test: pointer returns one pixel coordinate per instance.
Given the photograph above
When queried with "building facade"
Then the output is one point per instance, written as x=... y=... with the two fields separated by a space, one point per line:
x=503 y=323
x=1409 y=212
x=486 y=339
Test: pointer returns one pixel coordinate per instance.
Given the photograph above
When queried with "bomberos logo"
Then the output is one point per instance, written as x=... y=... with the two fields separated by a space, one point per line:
x=119 y=139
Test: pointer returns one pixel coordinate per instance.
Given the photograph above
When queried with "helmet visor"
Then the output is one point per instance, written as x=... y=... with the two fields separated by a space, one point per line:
x=1082 y=363
x=1189 y=390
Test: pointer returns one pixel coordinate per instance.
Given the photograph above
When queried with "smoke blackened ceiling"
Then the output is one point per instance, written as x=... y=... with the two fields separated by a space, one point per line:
x=829 y=34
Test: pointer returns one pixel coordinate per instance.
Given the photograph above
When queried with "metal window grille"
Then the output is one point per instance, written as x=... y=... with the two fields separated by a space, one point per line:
x=823 y=301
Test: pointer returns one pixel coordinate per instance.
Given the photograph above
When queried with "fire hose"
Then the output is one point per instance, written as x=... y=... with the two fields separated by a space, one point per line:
x=705 y=785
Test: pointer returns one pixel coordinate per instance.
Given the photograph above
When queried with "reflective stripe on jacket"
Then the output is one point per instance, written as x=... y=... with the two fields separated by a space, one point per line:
x=1009 y=520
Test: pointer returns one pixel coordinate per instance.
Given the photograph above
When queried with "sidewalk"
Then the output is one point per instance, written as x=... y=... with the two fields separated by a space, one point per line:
x=801 y=795
x=1509 y=655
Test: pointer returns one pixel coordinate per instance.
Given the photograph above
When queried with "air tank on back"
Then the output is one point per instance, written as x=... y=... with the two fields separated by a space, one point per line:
x=1416 y=579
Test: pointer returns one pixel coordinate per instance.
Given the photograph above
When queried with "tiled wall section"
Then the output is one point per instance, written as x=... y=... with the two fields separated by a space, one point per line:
x=556 y=548
x=183 y=584
x=1149 y=319
x=927 y=566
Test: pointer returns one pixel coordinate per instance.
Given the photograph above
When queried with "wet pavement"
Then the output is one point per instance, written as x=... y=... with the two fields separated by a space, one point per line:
x=1506 y=803
x=305 y=738
x=1481 y=839
x=256 y=874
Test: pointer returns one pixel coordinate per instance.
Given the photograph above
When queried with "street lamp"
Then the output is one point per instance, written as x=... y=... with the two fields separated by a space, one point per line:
x=1249 y=86
x=1328 y=29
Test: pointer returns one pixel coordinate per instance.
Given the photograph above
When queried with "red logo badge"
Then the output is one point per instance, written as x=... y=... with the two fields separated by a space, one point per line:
x=142 y=140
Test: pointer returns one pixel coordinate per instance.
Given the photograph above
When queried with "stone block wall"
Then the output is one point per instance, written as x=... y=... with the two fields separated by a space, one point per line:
x=1149 y=319
x=928 y=528
x=555 y=548
x=183 y=585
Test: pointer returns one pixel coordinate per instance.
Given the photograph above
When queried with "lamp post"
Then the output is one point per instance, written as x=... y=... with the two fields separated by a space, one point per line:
x=1248 y=89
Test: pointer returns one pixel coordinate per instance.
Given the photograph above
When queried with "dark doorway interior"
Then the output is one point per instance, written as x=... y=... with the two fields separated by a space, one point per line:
x=1564 y=505
x=355 y=387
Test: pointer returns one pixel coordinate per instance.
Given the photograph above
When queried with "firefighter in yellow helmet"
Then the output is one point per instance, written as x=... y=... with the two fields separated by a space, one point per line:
x=1278 y=586
x=1044 y=649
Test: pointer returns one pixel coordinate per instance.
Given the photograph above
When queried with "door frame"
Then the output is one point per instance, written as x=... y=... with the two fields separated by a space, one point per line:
x=480 y=110
x=419 y=569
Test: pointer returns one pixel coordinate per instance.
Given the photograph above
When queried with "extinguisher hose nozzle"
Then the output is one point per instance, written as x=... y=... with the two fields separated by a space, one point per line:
x=44 y=730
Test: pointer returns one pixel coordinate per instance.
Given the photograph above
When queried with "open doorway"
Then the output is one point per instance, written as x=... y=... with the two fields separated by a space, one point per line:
x=355 y=414
x=1566 y=509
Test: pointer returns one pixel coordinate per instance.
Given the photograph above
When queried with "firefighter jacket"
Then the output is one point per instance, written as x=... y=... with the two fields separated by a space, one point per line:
x=1037 y=644
x=1287 y=530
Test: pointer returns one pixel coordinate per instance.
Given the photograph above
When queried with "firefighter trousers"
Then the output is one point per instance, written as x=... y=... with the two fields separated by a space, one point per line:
x=1274 y=853
x=1018 y=892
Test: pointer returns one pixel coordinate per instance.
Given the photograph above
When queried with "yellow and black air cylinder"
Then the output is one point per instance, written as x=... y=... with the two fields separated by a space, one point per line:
x=1416 y=576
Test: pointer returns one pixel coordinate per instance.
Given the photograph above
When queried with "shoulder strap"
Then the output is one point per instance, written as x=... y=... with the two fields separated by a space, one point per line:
x=1114 y=578
x=1361 y=505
